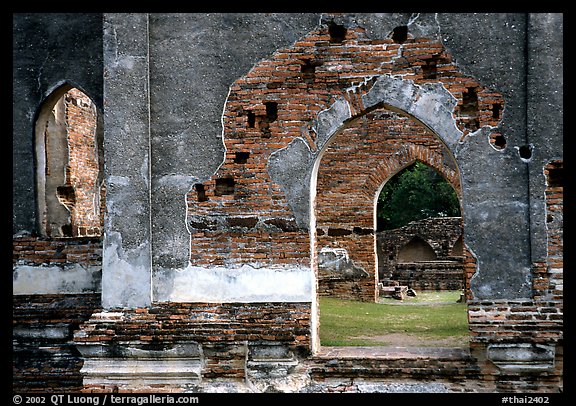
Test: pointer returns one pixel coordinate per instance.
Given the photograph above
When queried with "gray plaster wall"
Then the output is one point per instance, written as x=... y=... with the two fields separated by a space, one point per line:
x=545 y=109
x=127 y=248
x=194 y=59
x=167 y=78
x=48 y=50
x=520 y=56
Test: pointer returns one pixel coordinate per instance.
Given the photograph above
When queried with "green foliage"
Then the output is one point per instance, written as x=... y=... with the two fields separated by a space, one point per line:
x=416 y=193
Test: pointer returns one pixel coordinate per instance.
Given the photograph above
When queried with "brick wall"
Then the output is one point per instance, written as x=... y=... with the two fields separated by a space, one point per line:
x=352 y=170
x=223 y=330
x=277 y=101
x=44 y=359
x=240 y=216
x=444 y=271
x=83 y=166
x=534 y=321
x=31 y=250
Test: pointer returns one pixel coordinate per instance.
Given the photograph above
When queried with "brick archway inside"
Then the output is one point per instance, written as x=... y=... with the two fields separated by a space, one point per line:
x=353 y=168
x=69 y=165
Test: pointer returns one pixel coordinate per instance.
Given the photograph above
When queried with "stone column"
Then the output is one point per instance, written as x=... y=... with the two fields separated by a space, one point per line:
x=127 y=254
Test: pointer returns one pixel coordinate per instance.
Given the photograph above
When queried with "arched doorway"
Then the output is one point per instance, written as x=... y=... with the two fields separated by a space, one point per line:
x=69 y=165
x=419 y=232
x=353 y=168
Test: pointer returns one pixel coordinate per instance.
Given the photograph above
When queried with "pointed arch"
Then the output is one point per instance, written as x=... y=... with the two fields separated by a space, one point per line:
x=360 y=240
x=69 y=164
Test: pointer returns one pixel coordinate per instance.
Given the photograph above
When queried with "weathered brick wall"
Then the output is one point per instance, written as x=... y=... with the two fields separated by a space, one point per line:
x=83 y=166
x=354 y=166
x=548 y=279
x=44 y=359
x=32 y=250
x=536 y=322
x=223 y=330
x=443 y=236
x=241 y=215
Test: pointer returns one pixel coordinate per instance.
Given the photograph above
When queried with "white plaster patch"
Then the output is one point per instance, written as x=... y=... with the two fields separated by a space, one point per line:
x=339 y=253
x=126 y=278
x=245 y=285
x=75 y=278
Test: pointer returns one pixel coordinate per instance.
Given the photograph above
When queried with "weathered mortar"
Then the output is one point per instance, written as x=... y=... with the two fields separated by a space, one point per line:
x=167 y=79
x=445 y=268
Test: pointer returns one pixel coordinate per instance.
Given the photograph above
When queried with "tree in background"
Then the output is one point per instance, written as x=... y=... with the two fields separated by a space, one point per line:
x=415 y=193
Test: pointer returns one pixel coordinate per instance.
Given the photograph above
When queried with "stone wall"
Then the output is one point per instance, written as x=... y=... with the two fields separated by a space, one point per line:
x=423 y=255
x=242 y=151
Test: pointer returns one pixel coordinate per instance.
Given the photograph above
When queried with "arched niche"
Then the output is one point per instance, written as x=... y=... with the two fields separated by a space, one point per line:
x=69 y=165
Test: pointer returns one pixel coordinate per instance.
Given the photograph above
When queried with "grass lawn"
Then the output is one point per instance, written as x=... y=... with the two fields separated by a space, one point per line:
x=429 y=320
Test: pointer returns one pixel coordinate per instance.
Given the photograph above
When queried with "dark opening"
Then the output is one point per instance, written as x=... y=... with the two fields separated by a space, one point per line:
x=556 y=177
x=337 y=32
x=496 y=108
x=67 y=230
x=400 y=34
x=201 y=191
x=469 y=102
x=241 y=157
x=308 y=69
x=335 y=232
x=362 y=231
x=224 y=186
x=499 y=141
x=429 y=69
x=251 y=119
x=66 y=195
x=246 y=222
x=271 y=111
x=525 y=151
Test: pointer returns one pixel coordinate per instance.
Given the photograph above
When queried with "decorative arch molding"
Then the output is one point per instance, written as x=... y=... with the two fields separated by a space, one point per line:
x=295 y=166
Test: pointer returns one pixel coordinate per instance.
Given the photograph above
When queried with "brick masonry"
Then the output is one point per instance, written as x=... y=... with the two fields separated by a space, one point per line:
x=442 y=268
x=33 y=250
x=83 y=166
x=278 y=101
x=223 y=331
x=44 y=357
x=241 y=216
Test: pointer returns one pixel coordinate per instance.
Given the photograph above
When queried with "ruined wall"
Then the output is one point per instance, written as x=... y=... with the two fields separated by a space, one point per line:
x=83 y=169
x=56 y=282
x=273 y=139
x=49 y=50
x=440 y=269
x=216 y=149
x=352 y=171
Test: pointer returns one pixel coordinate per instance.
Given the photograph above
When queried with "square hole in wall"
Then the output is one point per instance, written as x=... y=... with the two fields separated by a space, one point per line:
x=224 y=186
x=201 y=191
x=241 y=157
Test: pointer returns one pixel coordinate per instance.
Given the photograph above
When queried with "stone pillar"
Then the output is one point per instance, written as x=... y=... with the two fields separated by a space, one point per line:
x=127 y=253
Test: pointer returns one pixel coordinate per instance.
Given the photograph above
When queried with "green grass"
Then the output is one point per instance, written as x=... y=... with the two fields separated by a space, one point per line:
x=415 y=321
